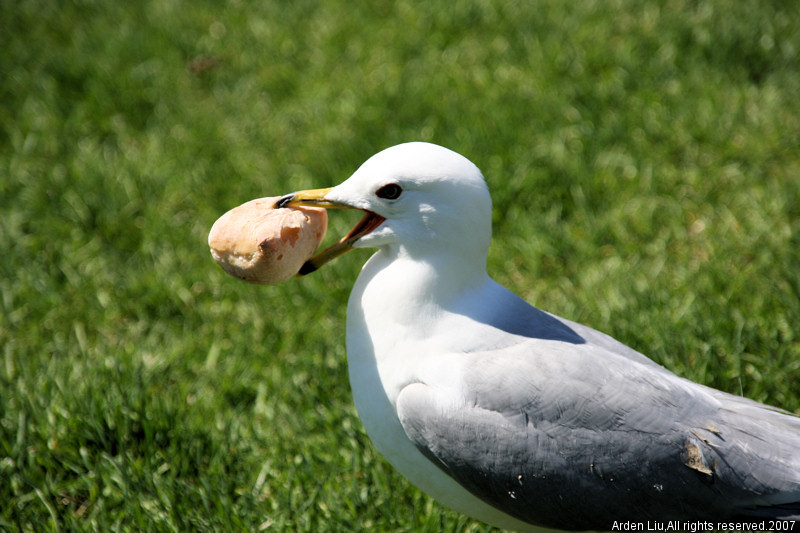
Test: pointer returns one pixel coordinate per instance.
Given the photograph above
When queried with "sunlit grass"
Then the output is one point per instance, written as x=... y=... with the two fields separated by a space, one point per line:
x=644 y=159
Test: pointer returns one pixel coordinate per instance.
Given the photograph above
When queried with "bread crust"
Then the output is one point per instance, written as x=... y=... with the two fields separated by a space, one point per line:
x=259 y=243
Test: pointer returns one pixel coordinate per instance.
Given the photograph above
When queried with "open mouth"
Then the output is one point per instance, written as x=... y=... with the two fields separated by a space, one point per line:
x=368 y=223
x=316 y=198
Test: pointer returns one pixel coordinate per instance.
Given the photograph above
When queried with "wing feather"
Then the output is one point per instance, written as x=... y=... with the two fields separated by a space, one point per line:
x=574 y=436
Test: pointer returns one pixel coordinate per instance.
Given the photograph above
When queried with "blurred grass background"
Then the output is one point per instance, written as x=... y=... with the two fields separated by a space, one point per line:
x=644 y=159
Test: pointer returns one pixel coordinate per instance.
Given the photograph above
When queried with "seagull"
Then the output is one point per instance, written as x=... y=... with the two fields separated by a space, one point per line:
x=515 y=416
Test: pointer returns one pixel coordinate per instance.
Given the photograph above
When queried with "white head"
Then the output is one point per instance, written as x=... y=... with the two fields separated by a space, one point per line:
x=420 y=198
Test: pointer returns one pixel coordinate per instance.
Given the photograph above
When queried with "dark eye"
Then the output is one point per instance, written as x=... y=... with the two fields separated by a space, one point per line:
x=389 y=192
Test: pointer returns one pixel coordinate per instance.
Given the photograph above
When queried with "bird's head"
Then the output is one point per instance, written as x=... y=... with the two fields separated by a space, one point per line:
x=419 y=199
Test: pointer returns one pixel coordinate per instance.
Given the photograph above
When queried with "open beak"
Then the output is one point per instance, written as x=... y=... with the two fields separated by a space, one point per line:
x=316 y=198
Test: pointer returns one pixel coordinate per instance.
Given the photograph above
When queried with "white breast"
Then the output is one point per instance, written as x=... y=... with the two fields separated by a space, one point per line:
x=382 y=359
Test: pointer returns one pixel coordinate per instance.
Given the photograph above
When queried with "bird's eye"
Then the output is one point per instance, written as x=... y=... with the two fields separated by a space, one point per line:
x=389 y=192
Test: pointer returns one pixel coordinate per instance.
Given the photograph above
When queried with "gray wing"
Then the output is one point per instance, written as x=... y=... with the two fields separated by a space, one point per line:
x=574 y=436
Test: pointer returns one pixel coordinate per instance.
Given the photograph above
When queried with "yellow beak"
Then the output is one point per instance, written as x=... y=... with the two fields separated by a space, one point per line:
x=311 y=197
x=316 y=198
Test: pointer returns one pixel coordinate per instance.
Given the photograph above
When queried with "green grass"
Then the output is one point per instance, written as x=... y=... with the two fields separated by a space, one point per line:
x=644 y=159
